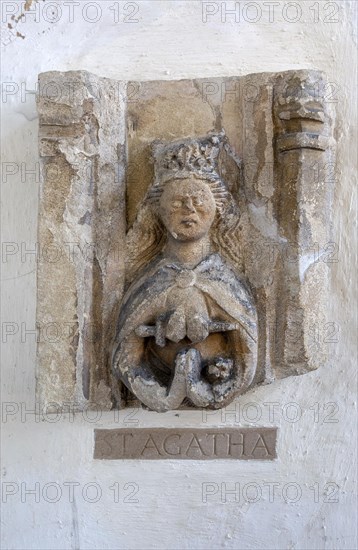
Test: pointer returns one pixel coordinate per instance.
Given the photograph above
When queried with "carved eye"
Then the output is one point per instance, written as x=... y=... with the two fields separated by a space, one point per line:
x=177 y=204
x=198 y=201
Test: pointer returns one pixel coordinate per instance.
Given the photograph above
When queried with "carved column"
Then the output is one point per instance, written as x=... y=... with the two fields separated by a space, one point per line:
x=304 y=162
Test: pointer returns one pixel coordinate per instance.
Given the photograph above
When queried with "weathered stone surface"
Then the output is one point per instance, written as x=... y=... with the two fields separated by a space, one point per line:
x=188 y=323
x=278 y=166
x=186 y=444
x=81 y=235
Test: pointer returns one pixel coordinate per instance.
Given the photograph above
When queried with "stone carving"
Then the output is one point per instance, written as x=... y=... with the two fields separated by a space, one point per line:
x=188 y=325
x=186 y=271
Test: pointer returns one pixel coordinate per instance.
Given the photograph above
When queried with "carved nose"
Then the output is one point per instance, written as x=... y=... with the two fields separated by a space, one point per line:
x=188 y=204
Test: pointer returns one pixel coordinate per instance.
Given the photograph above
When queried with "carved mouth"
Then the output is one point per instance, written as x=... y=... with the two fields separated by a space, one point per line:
x=188 y=222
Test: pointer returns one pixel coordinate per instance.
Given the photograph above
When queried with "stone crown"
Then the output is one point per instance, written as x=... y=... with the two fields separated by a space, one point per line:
x=181 y=158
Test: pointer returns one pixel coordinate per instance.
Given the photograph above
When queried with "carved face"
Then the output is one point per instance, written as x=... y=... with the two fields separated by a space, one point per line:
x=187 y=208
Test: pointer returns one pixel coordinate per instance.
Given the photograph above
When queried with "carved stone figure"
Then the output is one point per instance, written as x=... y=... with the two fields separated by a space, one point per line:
x=188 y=324
x=194 y=278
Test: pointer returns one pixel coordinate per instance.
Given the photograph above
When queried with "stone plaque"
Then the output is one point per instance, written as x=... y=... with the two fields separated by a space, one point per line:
x=186 y=444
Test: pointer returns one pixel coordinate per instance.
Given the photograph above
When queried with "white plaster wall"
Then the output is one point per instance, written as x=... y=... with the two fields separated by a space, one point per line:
x=172 y=41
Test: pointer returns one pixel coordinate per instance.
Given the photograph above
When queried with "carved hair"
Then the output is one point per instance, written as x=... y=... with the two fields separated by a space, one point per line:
x=179 y=160
x=147 y=237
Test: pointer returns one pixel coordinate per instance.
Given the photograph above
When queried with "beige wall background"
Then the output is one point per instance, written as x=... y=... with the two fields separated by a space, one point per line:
x=304 y=500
